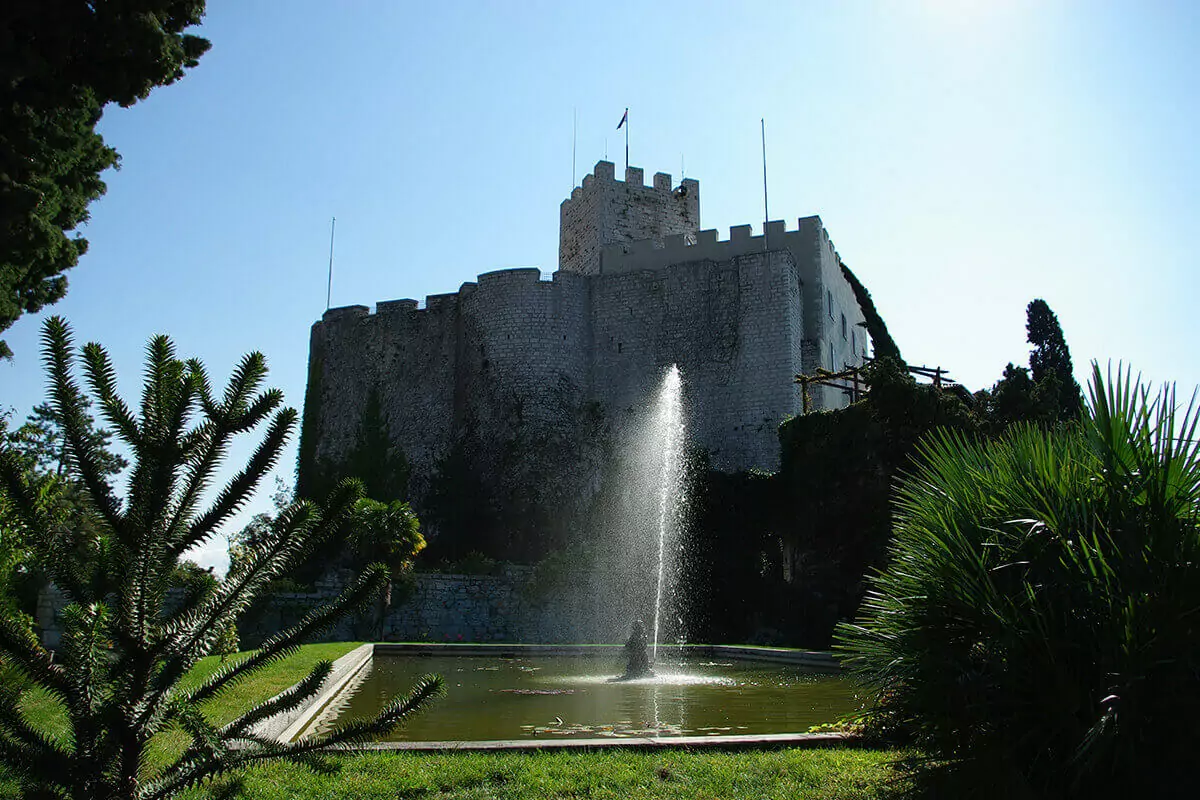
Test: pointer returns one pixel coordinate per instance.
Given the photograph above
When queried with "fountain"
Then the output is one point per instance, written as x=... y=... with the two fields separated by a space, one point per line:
x=668 y=430
x=660 y=442
x=541 y=691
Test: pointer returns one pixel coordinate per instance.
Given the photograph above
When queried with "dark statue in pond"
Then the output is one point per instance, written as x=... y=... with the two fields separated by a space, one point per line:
x=637 y=659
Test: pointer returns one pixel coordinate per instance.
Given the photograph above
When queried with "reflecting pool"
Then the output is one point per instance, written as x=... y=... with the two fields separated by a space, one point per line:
x=489 y=698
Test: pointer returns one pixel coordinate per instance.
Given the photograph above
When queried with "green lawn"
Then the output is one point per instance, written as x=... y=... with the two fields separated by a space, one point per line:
x=46 y=714
x=826 y=774
x=798 y=774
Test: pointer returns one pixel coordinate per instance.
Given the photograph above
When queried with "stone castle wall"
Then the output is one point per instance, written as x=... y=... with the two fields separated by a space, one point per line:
x=533 y=374
x=513 y=349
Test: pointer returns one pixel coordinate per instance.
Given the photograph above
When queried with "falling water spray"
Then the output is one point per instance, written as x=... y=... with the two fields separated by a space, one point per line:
x=669 y=435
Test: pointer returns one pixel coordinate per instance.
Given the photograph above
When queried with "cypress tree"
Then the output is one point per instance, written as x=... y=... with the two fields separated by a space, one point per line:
x=1051 y=359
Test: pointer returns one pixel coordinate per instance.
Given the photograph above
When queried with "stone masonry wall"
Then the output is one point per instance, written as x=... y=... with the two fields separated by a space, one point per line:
x=454 y=608
x=442 y=608
x=734 y=329
x=604 y=211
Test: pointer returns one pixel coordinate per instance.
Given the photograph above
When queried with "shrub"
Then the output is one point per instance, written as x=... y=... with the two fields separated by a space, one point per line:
x=1037 y=631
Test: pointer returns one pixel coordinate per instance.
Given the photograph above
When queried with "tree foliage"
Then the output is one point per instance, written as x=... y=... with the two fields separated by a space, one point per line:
x=387 y=534
x=1035 y=632
x=788 y=571
x=125 y=650
x=42 y=441
x=374 y=459
x=881 y=341
x=40 y=450
x=61 y=63
x=1048 y=396
x=1050 y=360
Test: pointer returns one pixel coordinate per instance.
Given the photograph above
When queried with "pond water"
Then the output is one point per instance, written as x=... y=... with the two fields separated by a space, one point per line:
x=563 y=697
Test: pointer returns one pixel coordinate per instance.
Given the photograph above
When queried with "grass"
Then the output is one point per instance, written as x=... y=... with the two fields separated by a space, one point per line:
x=798 y=774
x=46 y=714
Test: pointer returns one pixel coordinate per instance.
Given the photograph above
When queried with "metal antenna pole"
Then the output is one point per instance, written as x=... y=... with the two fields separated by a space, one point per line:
x=766 y=211
x=329 y=286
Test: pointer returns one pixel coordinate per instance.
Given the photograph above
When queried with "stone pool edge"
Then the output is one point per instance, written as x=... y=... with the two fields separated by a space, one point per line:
x=725 y=742
x=285 y=728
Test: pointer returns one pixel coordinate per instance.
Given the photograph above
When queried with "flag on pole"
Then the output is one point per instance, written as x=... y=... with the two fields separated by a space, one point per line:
x=624 y=119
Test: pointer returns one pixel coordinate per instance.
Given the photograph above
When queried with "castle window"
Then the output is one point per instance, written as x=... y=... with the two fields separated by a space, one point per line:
x=619 y=345
x=854 y=342
x=843 y=327
x=829 y=302
x=832 y=368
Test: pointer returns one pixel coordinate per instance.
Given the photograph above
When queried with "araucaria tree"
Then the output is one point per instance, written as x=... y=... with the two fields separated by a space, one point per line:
x=124 y=647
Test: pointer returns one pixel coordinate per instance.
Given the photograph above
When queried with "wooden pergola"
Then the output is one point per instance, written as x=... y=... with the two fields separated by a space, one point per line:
x=850 y=381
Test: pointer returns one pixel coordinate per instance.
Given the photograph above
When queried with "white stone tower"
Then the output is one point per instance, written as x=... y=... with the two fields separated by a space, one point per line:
x=605 y=211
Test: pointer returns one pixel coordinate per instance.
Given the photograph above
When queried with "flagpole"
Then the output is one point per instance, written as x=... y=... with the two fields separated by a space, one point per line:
x=626 y=139
x=766 y=211
x=329 y=286
x=574 y=138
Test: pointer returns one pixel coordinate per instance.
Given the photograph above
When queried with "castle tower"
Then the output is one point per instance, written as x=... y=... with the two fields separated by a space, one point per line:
x=606 y=211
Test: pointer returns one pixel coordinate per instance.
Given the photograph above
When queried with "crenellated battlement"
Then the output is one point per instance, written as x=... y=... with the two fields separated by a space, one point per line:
x=604 y=210
x=605 y=174
x=656 y=254
x=518 y=284
x=519 y=276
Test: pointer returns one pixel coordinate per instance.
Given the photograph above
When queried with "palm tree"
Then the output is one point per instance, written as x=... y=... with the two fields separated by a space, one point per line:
x=388 y=534
x=124 y=650
x=1037 y=632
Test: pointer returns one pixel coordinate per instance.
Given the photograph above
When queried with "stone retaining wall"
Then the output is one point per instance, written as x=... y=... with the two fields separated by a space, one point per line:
x=507 y=607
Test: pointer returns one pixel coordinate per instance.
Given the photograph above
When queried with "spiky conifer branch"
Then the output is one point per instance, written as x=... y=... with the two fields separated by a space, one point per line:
x=67 y=402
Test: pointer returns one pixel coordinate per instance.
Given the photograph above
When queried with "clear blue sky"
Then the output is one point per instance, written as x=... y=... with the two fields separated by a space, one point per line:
x=965 y=156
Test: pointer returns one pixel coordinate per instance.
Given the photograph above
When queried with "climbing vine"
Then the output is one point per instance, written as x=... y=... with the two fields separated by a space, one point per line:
x=308 y=471
x=881 y=340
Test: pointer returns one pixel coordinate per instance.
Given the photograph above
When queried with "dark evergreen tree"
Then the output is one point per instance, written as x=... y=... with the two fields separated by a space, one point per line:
x=374 y=460
x=1051 y=359
x=61 y=63
x=42 y=440
x=1018 y=398
x=125 y=651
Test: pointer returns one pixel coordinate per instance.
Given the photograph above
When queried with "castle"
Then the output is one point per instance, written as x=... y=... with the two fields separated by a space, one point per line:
x=519 y=380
